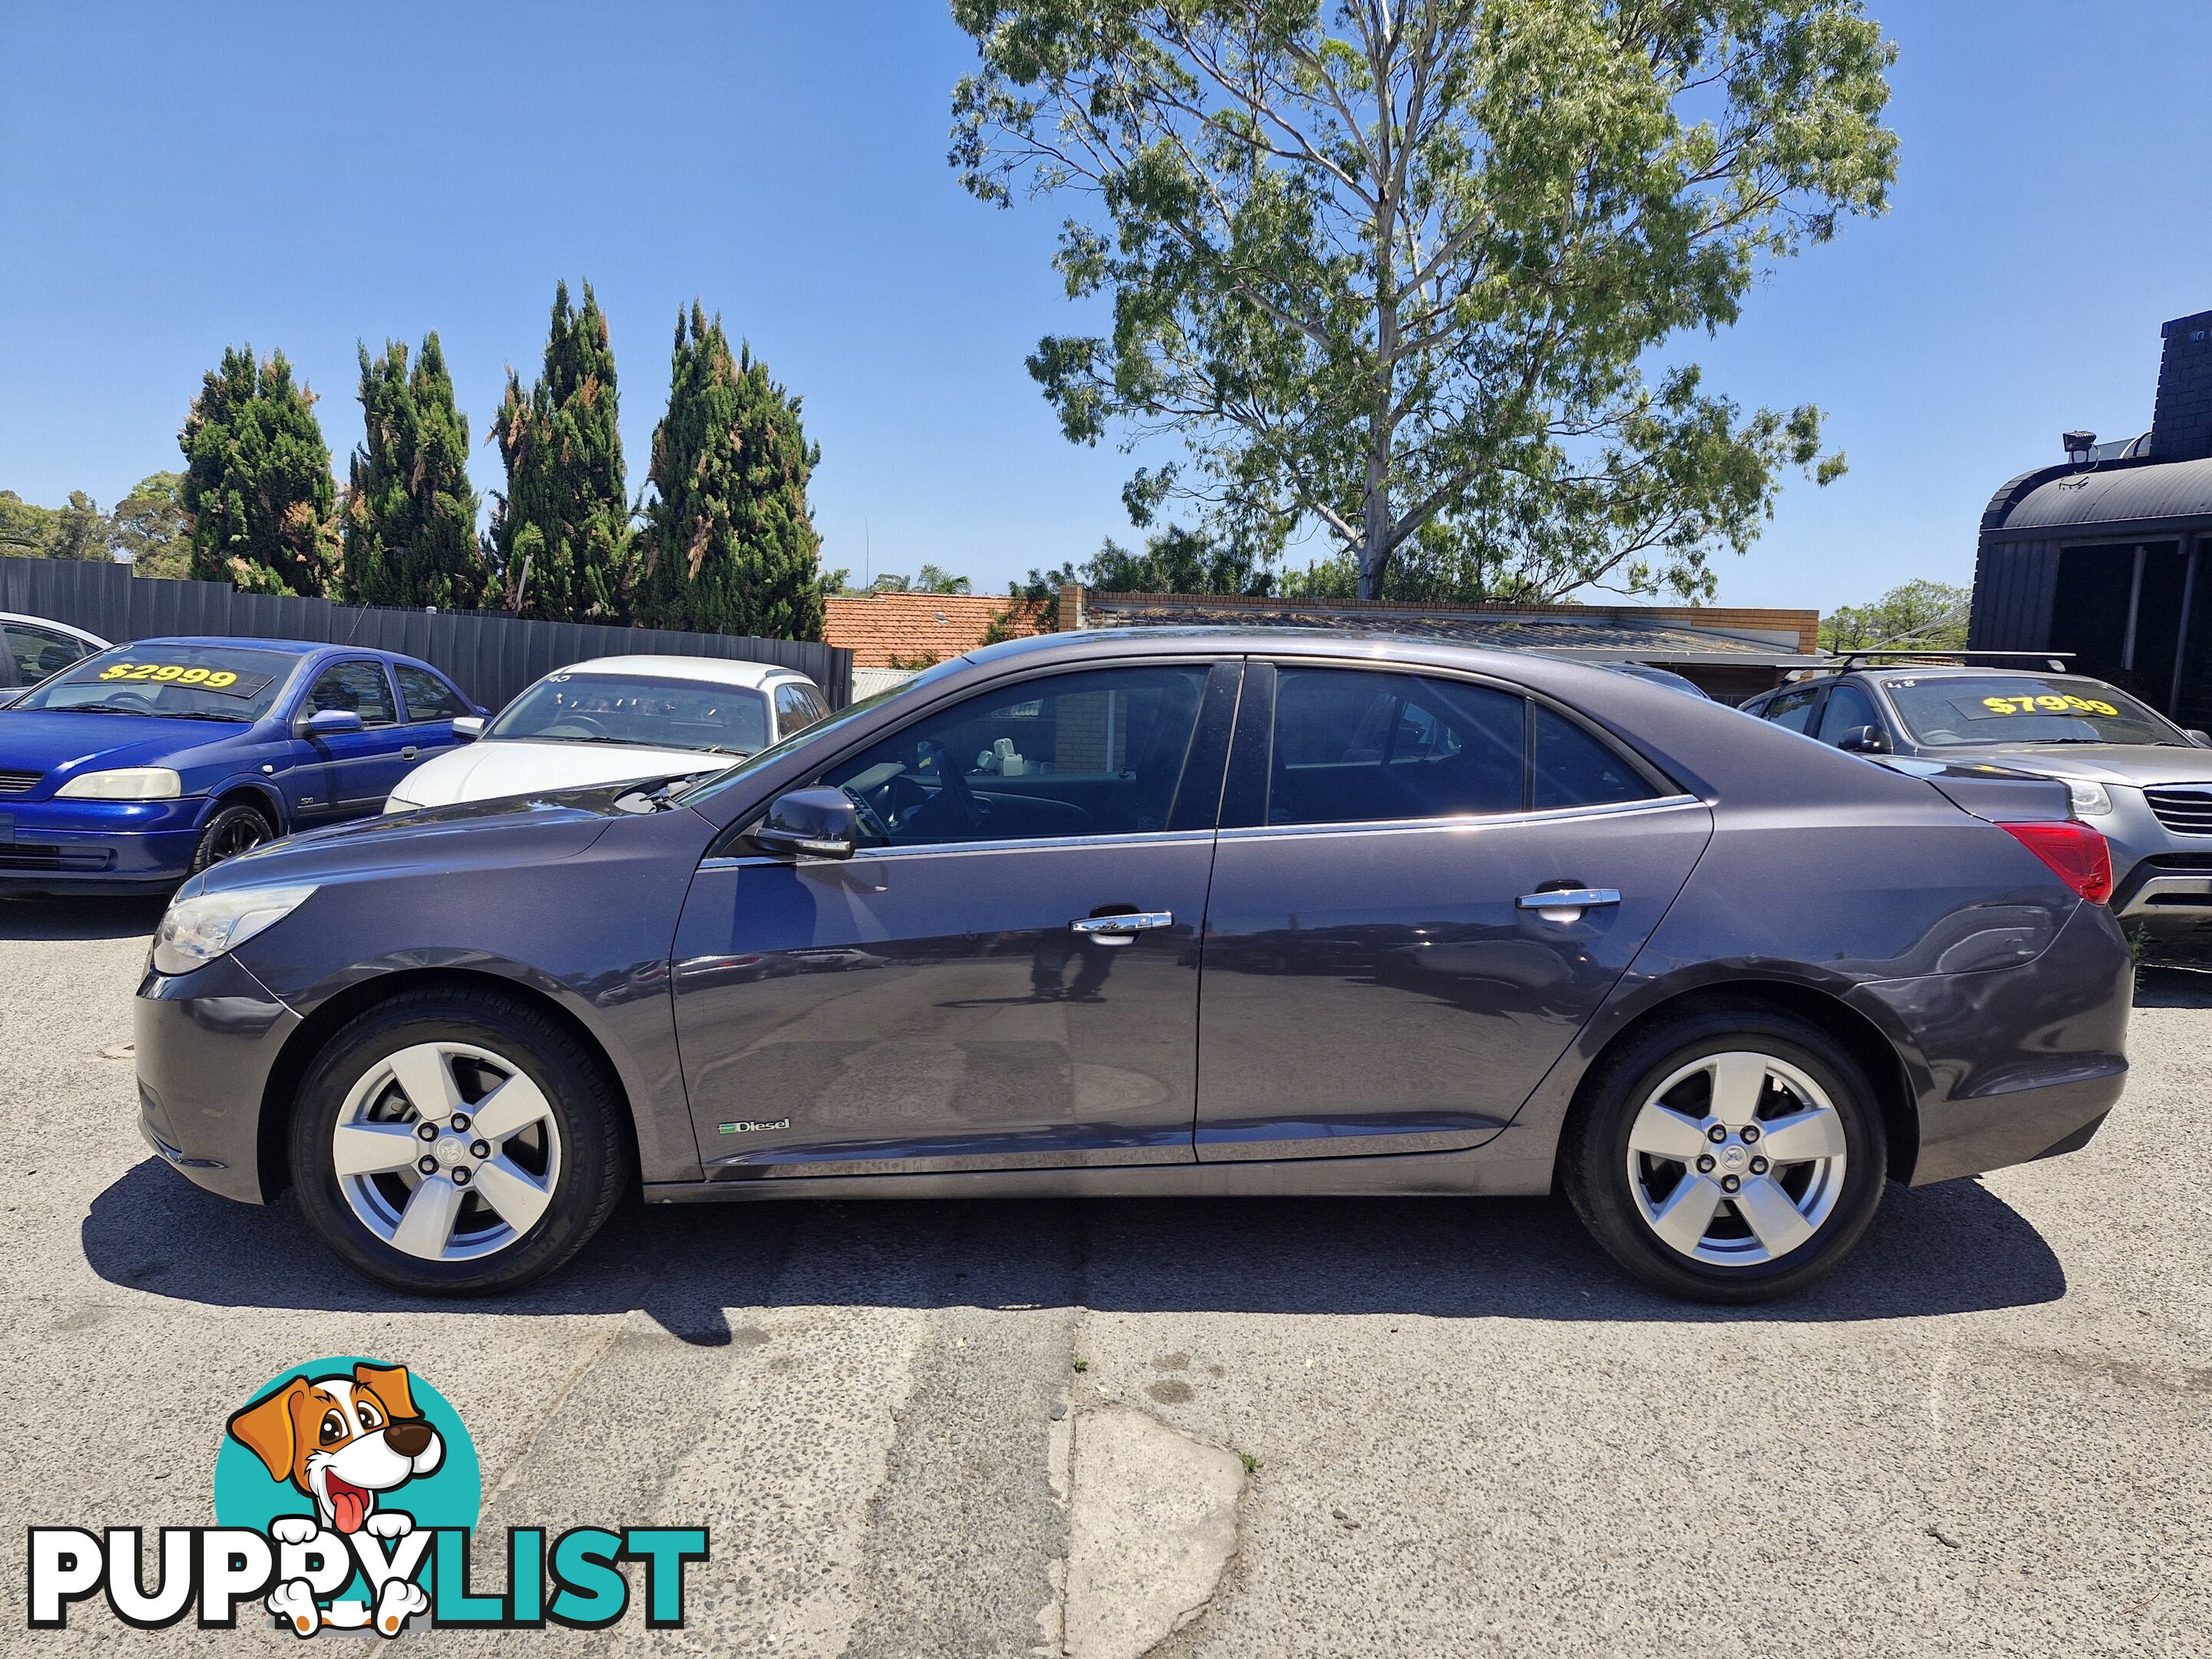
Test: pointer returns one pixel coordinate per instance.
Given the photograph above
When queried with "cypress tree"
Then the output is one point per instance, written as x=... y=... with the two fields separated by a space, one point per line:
x=409 y=520
x=730 y=545
x=257 y=481
x=565 y=510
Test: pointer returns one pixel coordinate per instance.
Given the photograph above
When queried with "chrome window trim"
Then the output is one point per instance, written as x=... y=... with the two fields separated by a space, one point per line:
x=1463 y=821
x=969 y=848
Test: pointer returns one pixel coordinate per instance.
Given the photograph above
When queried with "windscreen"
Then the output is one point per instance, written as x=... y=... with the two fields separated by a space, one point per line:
x=1961 y=710
x=174 y=682
x=719 y=719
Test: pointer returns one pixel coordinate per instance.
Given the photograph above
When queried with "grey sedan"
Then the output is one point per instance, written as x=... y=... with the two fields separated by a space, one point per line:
x=2141 y=780
x=1161 y=912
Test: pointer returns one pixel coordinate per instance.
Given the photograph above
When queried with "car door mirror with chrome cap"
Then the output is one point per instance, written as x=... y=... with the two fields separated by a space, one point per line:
x=468 y=727
x=808 y=823
x=2201 y=739
x=1864 y=740
x=326 y=723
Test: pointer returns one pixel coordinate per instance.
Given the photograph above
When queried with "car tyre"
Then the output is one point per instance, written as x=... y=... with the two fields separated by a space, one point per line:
x=571 y=1161
x=1645 y=1121
x=231 y=830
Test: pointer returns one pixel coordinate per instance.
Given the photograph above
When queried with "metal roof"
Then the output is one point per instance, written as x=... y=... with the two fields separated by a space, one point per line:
x=2113 y=495
x=1595 y=639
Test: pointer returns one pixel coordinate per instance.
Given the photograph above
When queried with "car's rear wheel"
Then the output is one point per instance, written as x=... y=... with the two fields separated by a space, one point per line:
x=457 y=1143
x=231 y=831
x=1730 y=1156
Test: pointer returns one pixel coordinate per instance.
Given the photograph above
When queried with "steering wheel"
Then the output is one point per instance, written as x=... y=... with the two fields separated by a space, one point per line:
x=581 y=723
x=952 y=785
x=873 y=823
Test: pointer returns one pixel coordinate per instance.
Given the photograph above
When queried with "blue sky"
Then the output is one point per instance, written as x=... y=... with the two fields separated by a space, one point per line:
x=174 y=179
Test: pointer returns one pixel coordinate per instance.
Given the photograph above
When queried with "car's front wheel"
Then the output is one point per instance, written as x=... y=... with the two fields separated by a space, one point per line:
x=1732 y=1155
x=454 y=1142
x=231 y=830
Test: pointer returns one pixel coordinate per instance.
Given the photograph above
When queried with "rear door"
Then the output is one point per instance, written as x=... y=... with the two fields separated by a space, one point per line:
x=1379 y=973
x=427 y=706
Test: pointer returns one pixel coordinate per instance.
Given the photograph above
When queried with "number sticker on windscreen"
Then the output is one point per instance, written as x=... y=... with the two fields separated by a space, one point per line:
x=1990 y=708
x=196 y=677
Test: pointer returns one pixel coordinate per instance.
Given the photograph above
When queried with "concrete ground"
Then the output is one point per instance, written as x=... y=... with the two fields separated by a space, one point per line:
x=1200 y=1428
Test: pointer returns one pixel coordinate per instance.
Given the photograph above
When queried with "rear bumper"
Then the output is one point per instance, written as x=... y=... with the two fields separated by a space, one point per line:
x=1966 y=1137
x=207 y=1041
x=2019 y=1063
x=97 y=846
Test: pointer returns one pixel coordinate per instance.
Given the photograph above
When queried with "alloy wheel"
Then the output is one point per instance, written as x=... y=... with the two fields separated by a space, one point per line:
x=245 y=831
x=447 y=1150
x=1736 y=1159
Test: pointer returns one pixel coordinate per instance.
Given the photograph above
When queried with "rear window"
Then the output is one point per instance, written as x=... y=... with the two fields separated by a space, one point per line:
x=426 y=696
x=174 y=682
x=1959 y=709
x=566 y=707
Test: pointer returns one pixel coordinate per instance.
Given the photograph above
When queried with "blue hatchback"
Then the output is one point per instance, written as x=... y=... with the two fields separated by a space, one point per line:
x=132 y=769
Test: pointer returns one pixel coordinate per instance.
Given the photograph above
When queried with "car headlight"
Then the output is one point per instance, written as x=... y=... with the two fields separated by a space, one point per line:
x=2090 y=800
x=126 y=783
x=198 y=928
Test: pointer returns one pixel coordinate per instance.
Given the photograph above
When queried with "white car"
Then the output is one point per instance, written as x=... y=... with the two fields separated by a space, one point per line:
x=36 y=647
x=614 y=719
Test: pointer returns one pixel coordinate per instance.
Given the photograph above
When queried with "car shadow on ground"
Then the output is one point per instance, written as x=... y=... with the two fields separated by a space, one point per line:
x=80 y=918
x=1952 y=1249
x=2173 y=987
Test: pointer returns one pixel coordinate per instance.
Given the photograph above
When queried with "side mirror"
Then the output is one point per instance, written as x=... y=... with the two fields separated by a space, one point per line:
x=326 y=723
x=1864 y=740
x=808 y=823
x=468 y=727
x=2201 y=739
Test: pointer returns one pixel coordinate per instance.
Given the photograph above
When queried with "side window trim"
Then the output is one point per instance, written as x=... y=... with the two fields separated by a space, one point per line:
x=1244 y=794
x=1217 y=709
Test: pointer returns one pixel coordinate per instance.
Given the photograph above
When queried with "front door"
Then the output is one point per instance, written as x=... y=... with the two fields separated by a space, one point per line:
x=345 y=774
x=1006 y=977
x=1381 y=974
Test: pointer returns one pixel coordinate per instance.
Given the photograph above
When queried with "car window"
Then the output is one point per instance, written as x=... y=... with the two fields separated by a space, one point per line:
x=168 y=679
x=1847 y=709
x=794 y=709
x=567 y=707
x=1793 y=710
x=40 y=651
x=1573 y=769
x=359 y=686
x=426 y=696
x=1095 y=753
x=1953 y=709
x=1353 y=746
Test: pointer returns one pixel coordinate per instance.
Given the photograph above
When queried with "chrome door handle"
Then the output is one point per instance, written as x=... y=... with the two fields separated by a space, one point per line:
x=1121 y=929
x=1567 y=904
x=408 y=753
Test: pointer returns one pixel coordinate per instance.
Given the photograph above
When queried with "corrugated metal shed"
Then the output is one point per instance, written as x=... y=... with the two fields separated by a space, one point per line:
x=2116 y=498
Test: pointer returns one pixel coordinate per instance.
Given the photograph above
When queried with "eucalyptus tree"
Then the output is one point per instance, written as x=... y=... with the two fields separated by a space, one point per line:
x=1404 y=270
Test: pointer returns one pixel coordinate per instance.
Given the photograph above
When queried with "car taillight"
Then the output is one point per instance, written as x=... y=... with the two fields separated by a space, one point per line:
x=2075 y=853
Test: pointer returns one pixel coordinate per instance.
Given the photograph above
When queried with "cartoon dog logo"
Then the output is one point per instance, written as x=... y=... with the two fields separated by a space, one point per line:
x=344 y=1440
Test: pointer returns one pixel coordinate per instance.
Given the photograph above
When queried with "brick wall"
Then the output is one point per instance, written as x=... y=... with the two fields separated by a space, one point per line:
x=2181 y=429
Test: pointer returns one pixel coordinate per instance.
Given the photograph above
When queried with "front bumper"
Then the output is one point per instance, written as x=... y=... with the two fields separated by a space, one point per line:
x=207 y=1041
x=97 y=846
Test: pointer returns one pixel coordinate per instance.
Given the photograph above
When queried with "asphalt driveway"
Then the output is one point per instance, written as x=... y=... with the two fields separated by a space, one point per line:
x=1201 y=1427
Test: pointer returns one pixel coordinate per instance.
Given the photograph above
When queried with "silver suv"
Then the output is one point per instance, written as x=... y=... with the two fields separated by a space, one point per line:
x=2138 y=777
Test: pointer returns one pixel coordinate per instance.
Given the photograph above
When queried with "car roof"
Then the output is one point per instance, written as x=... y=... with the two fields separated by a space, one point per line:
x=706 y=670
x=282 y=647
x=48 y=621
